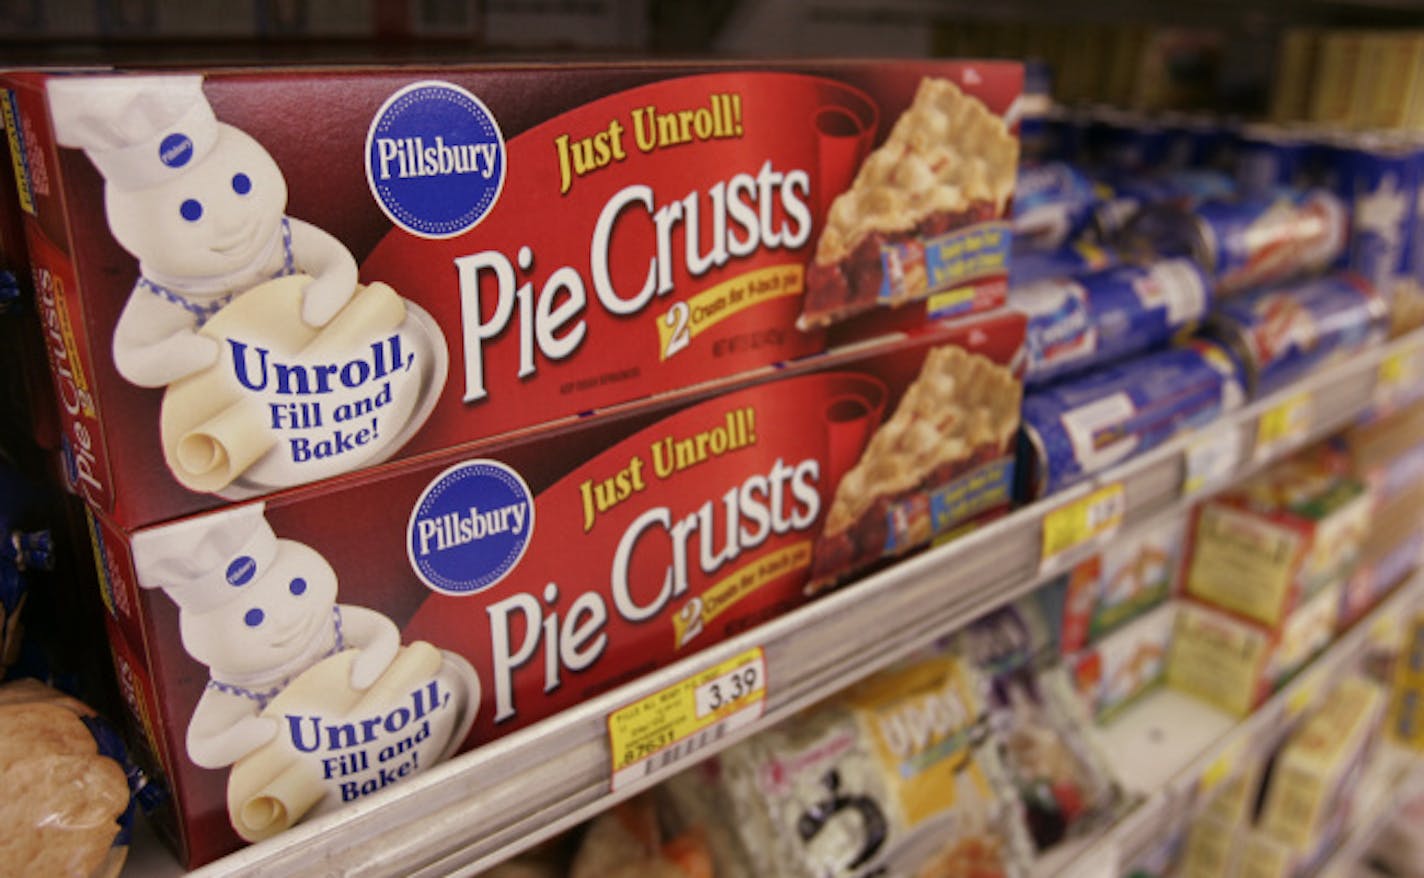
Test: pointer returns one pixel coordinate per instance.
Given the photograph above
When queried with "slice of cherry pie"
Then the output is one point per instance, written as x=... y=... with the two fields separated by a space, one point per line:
x=948 y=163
x=961 y=412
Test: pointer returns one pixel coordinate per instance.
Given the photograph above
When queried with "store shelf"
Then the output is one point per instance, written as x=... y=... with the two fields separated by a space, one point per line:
x=478 y=809
x=1164 y=745
x=1393 y=777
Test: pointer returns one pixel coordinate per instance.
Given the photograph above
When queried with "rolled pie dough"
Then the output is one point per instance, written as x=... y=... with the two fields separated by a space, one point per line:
x=213 y=429
x=274 y=787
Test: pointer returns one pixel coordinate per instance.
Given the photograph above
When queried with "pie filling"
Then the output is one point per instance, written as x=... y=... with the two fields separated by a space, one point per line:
x=958 y=416
x=949 y=163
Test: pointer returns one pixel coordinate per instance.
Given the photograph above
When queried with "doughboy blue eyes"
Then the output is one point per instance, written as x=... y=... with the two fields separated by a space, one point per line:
x=241 y=184
x=192 y=210
x=254 y=617
x=298 y=585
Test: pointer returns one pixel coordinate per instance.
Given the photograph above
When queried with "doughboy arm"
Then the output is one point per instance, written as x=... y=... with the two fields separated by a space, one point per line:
x=155 y=343
x=332 y=269
x=378 y=639
x=224 y=729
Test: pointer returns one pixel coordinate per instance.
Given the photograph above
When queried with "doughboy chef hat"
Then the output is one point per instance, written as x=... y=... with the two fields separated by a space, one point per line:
x=205 y=562
x=138 y=130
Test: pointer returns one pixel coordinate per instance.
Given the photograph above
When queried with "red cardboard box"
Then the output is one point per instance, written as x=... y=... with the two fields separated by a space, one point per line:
x=525 y=578
x=256 y=280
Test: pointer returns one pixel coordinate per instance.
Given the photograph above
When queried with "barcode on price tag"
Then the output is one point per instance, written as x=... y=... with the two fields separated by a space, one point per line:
x=1073 y=524
x=663 y=732
x=1283 y=425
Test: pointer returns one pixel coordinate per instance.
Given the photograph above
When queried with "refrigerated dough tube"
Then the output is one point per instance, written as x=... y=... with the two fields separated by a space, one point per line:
x=212 y=429
x=272 y=788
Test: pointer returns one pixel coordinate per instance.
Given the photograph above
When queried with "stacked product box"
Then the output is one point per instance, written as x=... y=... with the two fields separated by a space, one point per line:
x=1112 y=616
x=1286 y=811
x=454 y=338
x=1265 y=577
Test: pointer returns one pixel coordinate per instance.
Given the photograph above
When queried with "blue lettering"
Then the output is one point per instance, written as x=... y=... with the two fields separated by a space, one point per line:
x=239 y=365
x=294 y=726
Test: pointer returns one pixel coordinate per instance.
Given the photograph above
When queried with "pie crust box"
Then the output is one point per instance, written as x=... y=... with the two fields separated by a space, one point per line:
x=253 y=280
x=1263 y=549
x=1236 y=664
x=540 y=571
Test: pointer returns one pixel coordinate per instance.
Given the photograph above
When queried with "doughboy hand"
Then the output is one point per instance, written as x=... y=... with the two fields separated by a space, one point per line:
x=190 y=352
x=372 y=662
x=332 y=268
x=212 y=748
x=324 y=296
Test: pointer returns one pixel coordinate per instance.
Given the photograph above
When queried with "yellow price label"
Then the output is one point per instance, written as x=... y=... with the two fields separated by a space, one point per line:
x=1073 y=524
x=1283 y=424
x=1223 y=768
x=658 y=733
x=1399 y=374
x=1210 y=458
x=1303 y=694
x=1393 y=369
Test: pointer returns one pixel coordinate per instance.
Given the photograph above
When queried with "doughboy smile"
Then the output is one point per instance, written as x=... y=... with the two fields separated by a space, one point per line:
x=244 y=239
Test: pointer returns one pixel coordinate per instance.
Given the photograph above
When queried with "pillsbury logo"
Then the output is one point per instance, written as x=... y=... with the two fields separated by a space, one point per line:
x=176 y=150
x=470 y=527
x=435 y=159
x=241 y=570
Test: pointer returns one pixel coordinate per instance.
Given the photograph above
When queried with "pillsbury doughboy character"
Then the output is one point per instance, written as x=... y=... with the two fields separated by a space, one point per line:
x=201 y=204
x=257 y=610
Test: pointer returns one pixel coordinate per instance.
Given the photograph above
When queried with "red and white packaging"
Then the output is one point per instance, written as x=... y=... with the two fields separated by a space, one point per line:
x=341 y=636
x=252 y=281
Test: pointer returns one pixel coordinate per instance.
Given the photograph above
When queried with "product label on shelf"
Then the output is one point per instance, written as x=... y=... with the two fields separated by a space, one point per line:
x=1223 y=768
x=1283 y=425
x=1210 y=458
x=657 y=734
x=1398 y=381
x=1094 y=516
x=1305 y=691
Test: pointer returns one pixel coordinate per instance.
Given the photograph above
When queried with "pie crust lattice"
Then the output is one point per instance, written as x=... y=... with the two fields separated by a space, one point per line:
x=960 y=412
x=949 y=162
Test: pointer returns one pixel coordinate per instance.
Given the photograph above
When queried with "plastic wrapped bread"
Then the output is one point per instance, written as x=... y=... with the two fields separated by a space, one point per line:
x=896 y=774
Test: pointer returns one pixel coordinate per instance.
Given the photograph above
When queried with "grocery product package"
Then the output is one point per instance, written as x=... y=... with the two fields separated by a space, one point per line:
x=252 y=280
x=897 y=775
x=1134 y=573
x=1266 y=546
x=69 y=808
x=1042 y=728
x=1084 y=425
x=1235 y=663
x=1130 y=661
x=462 y=597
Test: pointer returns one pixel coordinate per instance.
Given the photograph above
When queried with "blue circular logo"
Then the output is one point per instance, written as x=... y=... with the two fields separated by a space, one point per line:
x=470 y=527
x=435 y=159
x=176 y=150
x=241 y=570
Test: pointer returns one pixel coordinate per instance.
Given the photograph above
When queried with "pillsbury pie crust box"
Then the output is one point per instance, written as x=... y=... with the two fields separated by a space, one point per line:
x=256 y=280
x=288 y=655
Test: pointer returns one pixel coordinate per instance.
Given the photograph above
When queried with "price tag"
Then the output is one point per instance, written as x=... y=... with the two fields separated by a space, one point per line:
x=1222 y=769
x=1398 y=379
x=1071 y=525
x=1283 y=425
x=657 y=734
x=1211 y=457
x=1303 y=694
